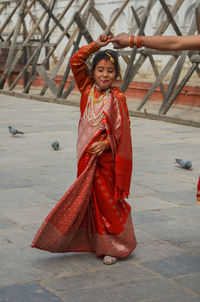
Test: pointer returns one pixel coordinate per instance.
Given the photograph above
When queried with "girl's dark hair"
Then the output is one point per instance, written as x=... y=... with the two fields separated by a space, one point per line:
x=109 y=55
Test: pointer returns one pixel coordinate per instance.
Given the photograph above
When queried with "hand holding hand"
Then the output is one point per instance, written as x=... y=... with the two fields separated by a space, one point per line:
x=97 y=148
x=103 y=40
x=120 y=41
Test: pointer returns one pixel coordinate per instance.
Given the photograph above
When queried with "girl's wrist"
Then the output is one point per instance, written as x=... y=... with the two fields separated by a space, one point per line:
x=93 y=46
x=98 y=46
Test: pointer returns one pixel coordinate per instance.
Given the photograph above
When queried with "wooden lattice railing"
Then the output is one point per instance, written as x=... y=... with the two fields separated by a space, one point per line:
x=21 y=52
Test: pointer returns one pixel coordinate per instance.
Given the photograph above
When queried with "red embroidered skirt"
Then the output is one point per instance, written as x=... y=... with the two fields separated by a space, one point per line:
x=88 y=218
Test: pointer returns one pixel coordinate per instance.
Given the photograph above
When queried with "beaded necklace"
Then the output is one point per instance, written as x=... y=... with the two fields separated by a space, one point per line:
x=89 y=114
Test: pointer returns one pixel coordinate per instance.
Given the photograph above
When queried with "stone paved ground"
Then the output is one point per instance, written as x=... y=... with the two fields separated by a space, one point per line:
x=164 y=267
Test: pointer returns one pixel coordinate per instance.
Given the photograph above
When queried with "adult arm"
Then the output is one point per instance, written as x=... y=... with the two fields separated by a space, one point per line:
x=168 y=43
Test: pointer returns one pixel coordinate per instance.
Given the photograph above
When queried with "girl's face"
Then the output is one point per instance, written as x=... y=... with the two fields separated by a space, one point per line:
x=104 y=74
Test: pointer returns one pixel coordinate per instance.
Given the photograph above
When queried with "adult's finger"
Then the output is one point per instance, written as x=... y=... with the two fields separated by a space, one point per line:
x=112 y=39
x=116 y=46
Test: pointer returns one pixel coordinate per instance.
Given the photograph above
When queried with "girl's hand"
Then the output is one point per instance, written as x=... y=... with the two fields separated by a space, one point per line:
x=97 y=148
x=103 y=40
x=120 y=41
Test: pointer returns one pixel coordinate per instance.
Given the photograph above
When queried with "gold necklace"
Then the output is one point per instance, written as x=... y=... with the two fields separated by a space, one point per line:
x=99 y=99
x=89 y=115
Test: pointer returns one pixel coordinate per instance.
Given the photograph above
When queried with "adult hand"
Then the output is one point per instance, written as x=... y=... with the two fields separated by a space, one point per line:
x=97 y=148
x=103 y=40
x=120 y=41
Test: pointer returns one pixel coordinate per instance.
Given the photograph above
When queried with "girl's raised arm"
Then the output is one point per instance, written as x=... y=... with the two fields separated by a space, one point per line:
x=79 y=66
x=78 y=61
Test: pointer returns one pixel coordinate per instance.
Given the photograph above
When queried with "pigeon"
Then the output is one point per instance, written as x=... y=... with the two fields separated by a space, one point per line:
x=55 y=145
x=185 y=164
x=14 y=131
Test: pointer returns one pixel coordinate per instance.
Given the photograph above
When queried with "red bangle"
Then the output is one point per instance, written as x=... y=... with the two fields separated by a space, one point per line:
x=135 y=40
x=139 y=41
x=131 y=40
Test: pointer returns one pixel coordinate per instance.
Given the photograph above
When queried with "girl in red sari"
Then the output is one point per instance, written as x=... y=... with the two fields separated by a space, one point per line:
x=93 y=216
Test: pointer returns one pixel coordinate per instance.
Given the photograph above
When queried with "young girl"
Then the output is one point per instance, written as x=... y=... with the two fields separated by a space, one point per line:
x=93 y=216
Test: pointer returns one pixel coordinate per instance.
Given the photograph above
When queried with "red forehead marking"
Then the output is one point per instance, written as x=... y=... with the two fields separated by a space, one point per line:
x=105 y=62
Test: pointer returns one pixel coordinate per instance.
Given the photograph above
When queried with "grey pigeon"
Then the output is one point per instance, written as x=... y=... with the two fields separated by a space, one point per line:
x=14 y=131
x=55 y=145
x=185 y=164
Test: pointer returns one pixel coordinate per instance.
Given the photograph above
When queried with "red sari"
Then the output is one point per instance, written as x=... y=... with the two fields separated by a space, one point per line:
x=93 y=216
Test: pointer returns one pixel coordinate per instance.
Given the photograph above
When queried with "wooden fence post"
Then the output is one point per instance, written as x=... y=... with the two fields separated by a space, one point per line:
x=197 y=13
x=151 y=59
x=20 y=51
x=176 y=73
x=66 y=49
x=65 y=76
x=32 y=73
x=180 y=87
x=12 y=48
x=159 y=79
x=128 y=76
x=171 y=62
x=31 y=51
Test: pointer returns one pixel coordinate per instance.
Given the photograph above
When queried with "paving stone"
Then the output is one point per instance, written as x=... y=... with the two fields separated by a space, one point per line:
x=156 y=180
x=161 y=182
x=185 y=197
x=106 y=276
x=124 y=291
x=28 y=215
x=34 y=177
x=5 y=223
x=151 y=203
x=192 y=247
x=191 y=281
x=155 y=251
x=181 y=186
x=142 y=217
x=67 y=178
x=19 y=179
x=89 y=261
x=53 y=191
x=186 y=213
x=176 y=266
x=164 y=162
x=139 y=190
x=184 y=297
x=148 y=167
x=25 y=264
x=13 y=238
x=144 y=236
x=176 y=231
x=22 y=198
x=31 y=229
x=28 y=292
